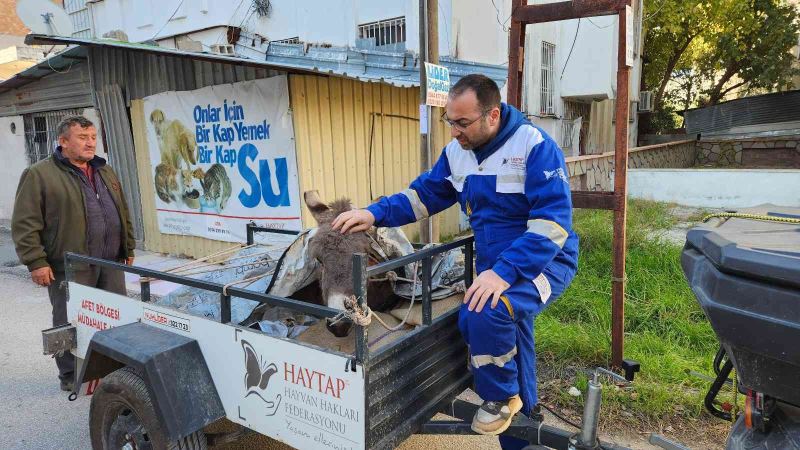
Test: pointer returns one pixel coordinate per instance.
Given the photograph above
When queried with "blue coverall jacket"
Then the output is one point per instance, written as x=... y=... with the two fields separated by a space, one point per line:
x=516 y=193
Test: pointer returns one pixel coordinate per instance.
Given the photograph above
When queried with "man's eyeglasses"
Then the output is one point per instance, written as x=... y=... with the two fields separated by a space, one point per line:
x=463 y=124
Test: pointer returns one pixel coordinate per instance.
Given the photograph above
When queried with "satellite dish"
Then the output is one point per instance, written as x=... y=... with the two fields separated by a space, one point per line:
x=44 y=17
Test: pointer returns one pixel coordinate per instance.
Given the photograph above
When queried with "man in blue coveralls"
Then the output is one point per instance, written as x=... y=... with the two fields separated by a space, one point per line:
x=511 y=181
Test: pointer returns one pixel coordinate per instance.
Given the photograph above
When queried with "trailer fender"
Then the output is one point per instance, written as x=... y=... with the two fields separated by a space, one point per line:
x=172 y=366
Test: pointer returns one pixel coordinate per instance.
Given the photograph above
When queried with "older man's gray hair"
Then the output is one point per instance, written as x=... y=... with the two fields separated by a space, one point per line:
x=67 y=123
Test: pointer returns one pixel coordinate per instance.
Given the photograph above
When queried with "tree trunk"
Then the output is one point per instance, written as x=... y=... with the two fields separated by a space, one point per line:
x=716 y=93
x=673 y=61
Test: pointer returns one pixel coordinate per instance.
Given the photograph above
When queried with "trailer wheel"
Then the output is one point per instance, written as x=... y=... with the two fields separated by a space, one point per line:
x=122 y=416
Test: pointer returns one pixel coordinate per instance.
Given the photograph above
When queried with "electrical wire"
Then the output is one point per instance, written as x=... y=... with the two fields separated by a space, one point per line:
x=497 y=17
x=235 y=10
x=59 y=71
x=663 y=2
x=598 y=26
x=559 y=416
x=575 y=39
x=180 y=3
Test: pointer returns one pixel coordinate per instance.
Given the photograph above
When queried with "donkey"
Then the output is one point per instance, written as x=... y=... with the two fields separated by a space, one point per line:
x=334 y=252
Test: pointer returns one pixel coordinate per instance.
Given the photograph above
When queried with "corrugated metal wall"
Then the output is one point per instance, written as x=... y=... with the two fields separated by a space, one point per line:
x=358 y=140
x=601 y=127
x=762 y=109
x=139 y=75
x=338 y=124
x=121 y=152
x=70 y=88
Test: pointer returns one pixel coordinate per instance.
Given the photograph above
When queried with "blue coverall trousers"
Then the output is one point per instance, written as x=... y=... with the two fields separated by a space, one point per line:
x=501 y=344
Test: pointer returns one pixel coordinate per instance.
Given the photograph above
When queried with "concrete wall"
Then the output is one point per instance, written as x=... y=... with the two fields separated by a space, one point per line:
x=14 y=161
x=716 y=188
x=652 y=139
x=333 y=22
x=764 y=152
x=585 y=72
x=596 y=172
x=475 y=34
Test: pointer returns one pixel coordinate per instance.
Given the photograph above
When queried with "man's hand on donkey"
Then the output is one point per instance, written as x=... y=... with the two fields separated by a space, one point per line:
x=354 y=221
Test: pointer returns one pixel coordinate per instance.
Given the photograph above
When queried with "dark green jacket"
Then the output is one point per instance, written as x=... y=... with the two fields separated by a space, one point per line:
x=49 y=216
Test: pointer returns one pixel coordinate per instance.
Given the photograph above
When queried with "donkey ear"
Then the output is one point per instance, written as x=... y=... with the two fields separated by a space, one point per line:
x=315 y=204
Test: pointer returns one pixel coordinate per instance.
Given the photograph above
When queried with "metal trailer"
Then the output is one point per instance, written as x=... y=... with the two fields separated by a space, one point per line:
x=168 y=374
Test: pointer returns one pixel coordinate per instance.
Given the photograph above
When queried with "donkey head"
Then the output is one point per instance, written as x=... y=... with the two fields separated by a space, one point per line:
x=334 y=252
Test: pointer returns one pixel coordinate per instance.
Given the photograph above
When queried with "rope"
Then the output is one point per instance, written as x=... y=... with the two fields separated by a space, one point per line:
x=735 y=408
x=193 y=265
x=233 y=283
x=761 y=217
x=458 y=286
x=213 y=255
x=223 y=266
x=363 y=316
x=354 y=312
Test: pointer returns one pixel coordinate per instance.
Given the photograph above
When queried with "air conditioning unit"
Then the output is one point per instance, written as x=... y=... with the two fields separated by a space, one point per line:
x=223 y=49
x=645 y=101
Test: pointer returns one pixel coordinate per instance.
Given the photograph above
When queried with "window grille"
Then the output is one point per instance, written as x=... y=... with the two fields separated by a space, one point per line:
x=41 y=132
x=81 y=20
x=384 y=32
x=546 y=99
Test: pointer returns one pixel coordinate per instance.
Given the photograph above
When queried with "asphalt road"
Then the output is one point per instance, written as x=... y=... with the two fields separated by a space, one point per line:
x=35 y=413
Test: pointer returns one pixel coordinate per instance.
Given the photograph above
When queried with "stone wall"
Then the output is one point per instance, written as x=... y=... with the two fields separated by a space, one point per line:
x=595 y=172
x=765 y=152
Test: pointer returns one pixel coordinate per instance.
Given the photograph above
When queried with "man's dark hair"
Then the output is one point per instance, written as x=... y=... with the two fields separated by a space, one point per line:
x=485 y=90
x=69 y=121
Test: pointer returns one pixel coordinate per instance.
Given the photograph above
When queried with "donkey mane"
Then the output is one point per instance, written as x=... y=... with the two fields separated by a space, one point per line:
x=339 y=206
x=332 y=242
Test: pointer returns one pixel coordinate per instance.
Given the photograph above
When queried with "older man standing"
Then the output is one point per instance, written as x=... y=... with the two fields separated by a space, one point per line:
x=71 y=202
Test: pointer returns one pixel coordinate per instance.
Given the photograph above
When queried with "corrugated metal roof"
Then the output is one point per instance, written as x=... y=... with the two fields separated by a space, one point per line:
x=364 y=65
x=60 y=82
x=57 y=63
x=142 y=74
x=761 y=109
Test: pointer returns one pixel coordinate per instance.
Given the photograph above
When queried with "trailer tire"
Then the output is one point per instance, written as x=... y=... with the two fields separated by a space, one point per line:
x=122 y=412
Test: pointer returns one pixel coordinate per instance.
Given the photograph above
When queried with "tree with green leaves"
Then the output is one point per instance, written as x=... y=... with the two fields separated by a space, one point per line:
x=751 y=49
x=710 y=48
x=671 y=27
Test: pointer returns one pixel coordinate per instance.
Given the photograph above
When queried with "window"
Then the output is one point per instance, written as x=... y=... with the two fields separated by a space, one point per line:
x=79 y=14
x=40 y=132
x=546 y=103
x=291 y=40
x=383 y=32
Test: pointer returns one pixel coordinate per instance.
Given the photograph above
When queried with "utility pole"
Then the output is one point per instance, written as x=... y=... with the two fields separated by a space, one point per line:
x=433 y=112
x=425 y=231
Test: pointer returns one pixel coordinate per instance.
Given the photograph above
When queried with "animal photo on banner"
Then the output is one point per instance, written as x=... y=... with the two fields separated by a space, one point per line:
x=223 y=156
